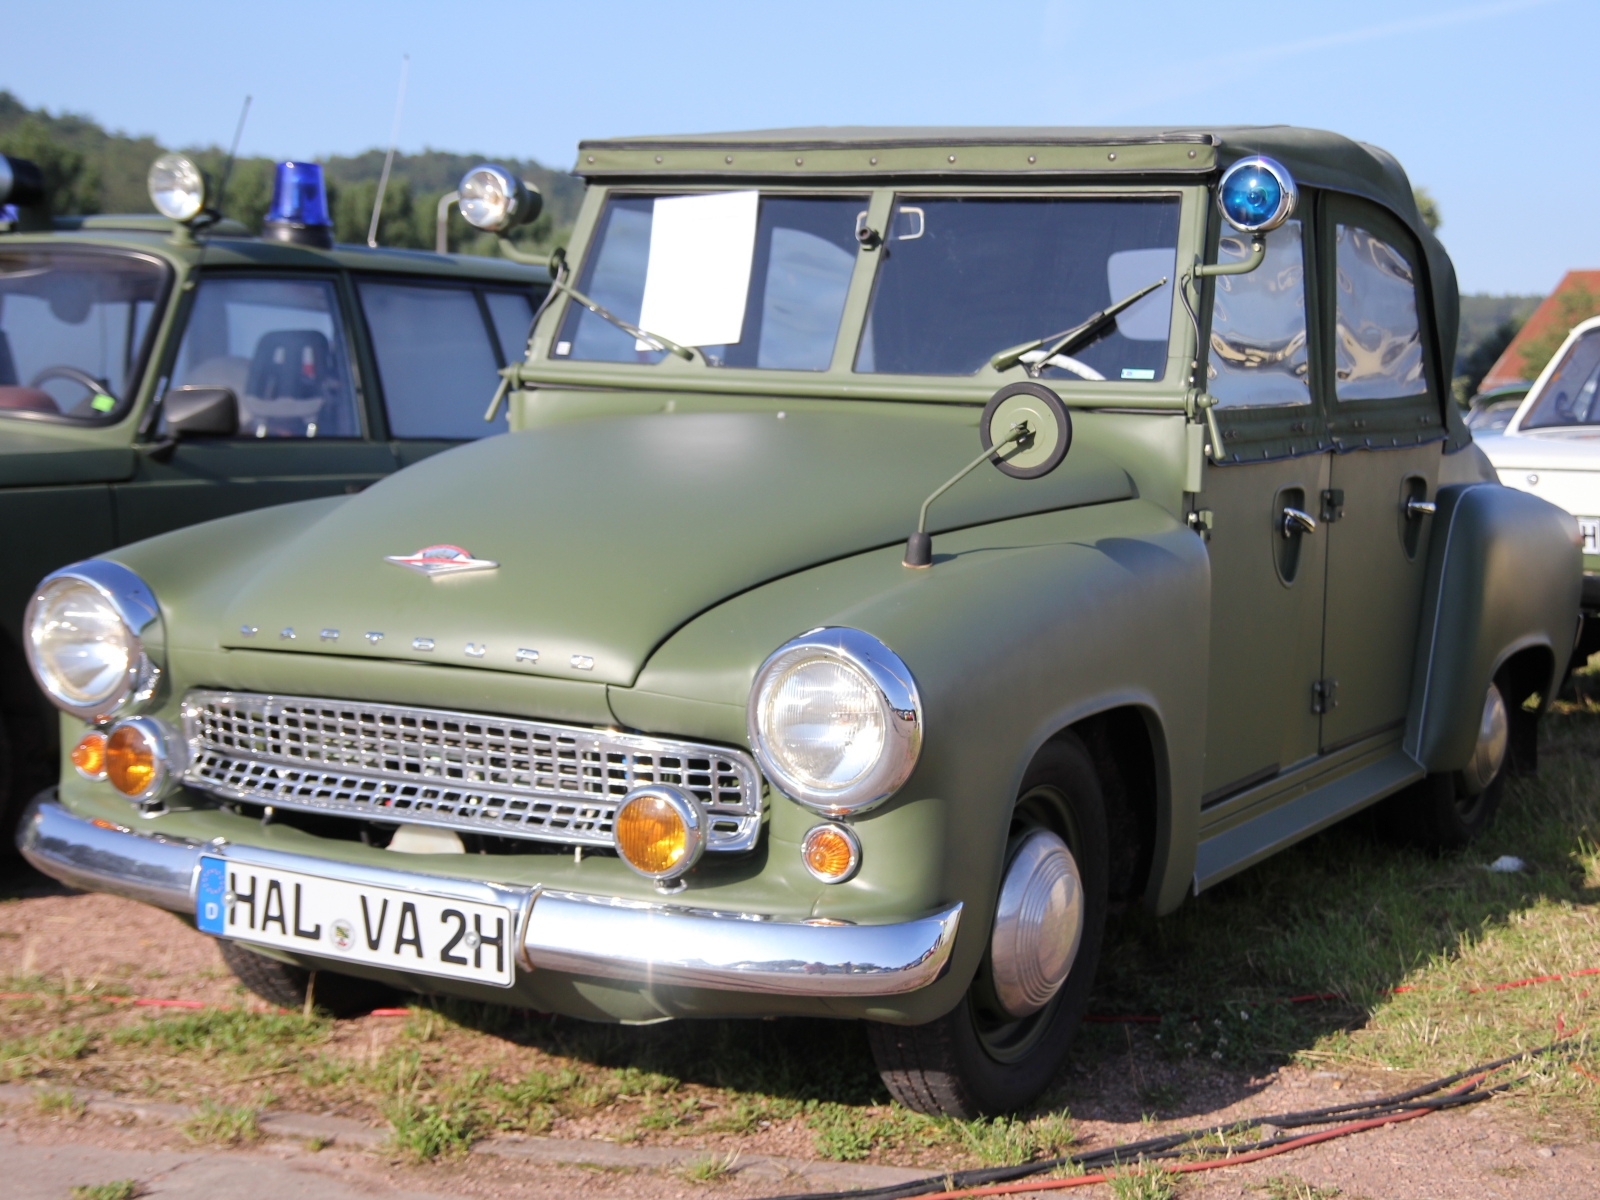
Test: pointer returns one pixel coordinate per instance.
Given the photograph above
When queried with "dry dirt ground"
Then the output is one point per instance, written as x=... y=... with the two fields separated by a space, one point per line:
x=1496 y=1149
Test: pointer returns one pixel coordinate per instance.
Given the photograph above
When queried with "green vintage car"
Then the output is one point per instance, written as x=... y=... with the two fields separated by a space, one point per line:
x=119 y=336
x=911 y=544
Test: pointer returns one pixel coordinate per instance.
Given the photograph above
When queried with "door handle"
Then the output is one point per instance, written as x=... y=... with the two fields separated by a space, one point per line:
x=1420 y=508
x=1295 y=521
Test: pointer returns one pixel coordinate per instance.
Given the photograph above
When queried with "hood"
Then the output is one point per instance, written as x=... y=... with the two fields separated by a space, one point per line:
x=1573 y=449
x=609 y=534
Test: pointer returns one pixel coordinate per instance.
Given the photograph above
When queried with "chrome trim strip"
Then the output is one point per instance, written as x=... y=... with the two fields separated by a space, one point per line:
x=667 y=944
x=103 y=857
x=506 y=776
x=563 y=931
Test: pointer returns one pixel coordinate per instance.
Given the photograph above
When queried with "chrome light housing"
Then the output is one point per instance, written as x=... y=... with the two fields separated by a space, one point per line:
x=177 y=187
x=835 y=720
x=86 y=629
x=144 y=760
x=494 y=199
x=1257 y=194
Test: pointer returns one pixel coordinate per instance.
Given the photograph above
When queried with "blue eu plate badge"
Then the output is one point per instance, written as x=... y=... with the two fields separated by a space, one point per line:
x=210 y=911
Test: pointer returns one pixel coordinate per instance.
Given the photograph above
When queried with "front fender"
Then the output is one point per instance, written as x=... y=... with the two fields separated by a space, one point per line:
x=1505 y=570
x=1019 y=629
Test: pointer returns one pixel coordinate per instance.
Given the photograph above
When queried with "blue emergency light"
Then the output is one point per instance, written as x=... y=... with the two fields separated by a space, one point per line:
x=299 y=211
x=1256 y=194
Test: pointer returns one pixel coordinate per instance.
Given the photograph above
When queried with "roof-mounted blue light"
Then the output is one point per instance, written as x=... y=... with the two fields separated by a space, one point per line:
x=299 y=211
x=1257 y=194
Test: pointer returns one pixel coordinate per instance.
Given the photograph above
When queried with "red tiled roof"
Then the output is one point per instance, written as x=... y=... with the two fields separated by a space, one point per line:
x=1508 y=367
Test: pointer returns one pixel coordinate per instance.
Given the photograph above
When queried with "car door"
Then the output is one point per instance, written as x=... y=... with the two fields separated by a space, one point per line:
x=1267 y=563
x=281 y=343
x=438 y=347
x=1385 y=418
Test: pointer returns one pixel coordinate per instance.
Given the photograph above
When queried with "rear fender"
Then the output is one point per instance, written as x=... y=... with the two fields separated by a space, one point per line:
x=1505 y=571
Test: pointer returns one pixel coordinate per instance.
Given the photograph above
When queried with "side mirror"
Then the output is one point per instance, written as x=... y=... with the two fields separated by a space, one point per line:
x=201 y=412
x=1026 y=431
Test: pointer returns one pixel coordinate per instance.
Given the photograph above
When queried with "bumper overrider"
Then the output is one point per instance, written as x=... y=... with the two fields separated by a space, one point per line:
x=568 y=932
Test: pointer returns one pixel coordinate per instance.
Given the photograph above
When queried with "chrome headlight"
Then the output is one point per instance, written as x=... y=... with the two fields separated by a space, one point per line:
x=177 y=187
x=86 y=629
x=494 y=199
x=835 y=719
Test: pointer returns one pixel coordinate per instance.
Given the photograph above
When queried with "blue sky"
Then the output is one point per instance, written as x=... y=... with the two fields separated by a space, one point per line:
x=1488 y=104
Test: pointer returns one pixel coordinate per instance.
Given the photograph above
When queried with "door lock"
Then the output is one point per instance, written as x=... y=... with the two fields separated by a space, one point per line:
x=1416 y=508
x=1295 y=521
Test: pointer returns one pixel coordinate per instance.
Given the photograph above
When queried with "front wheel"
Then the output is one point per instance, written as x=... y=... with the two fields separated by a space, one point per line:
x=1003 y=1042
x=287 y=985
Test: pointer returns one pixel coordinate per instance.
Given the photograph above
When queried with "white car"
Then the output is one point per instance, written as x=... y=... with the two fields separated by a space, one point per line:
x=1551 y=447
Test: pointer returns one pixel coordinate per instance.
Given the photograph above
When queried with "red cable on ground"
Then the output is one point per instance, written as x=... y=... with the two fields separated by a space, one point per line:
x=1311 y=1139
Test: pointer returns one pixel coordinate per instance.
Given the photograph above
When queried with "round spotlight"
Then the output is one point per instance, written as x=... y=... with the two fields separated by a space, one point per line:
x=1257 y=194
x=831 y=853
x=494 y=199
x=89 y=755
x=137 y=760
x=659 y=832
x=177 y=187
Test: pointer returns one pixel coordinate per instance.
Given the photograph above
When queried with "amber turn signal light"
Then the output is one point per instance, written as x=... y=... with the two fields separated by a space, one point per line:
x=658 y=832
x=89 y=755
x=831 y=853
x=133 y=762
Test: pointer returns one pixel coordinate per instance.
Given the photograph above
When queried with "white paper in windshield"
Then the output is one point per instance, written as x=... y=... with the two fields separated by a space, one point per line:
x=698 y=275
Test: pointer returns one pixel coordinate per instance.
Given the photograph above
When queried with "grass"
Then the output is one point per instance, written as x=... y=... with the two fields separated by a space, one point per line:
x=1139 y=1183
x=713 y=1168
x=1345 y=913
x=116 y=1189
x=1291 y=1187
x=58 y=1102
x=221 y=1125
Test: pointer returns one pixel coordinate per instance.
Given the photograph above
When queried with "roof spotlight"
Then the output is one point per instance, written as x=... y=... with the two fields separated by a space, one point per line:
x=1257 y=194
x=495 y=200
x=177 y=187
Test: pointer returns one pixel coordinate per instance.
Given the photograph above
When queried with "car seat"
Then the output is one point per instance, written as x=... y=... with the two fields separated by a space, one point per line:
x=292 y=378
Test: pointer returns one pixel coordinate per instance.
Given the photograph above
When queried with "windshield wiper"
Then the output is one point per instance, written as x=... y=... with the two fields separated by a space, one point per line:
x=1068 y=340
x=642 y=335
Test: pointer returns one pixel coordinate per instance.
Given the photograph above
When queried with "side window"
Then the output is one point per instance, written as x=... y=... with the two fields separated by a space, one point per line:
x=1257 y=350
x=280 y=345
x=1377 y=351
x=511 y=313
x=436 y=359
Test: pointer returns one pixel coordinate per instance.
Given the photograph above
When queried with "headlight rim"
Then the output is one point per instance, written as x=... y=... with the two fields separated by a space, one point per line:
x=177 y=163
x=135 y=606
x=897 y=693
x=520 y=203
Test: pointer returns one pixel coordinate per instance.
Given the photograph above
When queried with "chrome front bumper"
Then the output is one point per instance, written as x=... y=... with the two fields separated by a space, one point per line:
x=562 y=931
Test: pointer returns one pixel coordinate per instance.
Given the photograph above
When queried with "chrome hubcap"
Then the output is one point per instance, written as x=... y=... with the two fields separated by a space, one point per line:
x=1038 y=924
x=1494 y=734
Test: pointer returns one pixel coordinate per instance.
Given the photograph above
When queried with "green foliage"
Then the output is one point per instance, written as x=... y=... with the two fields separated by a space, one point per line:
x=1290 y=1187
x=227 y=1031
x=221 y=1125
x=1142 y=1183
x=1476 y=363
x=1427 y=208
x=426 y=1130
x=1576 y=303
x=117 y=1189
x=58 y=1102
x=1001 y=1141
x=713 y=1168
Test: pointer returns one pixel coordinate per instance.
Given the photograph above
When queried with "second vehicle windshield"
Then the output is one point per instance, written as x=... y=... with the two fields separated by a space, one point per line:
x=756 y=280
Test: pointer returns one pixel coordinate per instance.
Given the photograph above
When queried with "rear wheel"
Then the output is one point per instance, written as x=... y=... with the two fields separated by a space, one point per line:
x=1448 y=810
x=286 y=985
x=982 y=1057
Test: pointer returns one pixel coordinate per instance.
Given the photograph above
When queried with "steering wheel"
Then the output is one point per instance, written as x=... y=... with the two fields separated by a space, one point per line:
x=63 y=371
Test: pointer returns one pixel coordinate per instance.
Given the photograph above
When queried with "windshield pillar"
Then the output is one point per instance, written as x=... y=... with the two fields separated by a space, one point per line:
x=856 y=300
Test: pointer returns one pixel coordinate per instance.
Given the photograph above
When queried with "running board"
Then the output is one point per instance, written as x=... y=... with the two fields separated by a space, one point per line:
x=1248 y=843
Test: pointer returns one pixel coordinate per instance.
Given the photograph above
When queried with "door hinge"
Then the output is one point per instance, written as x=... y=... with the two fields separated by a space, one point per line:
x=1332 y=504
x=1324 y=696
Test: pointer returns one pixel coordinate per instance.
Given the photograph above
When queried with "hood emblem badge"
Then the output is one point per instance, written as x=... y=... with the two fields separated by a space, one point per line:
x=441 y=560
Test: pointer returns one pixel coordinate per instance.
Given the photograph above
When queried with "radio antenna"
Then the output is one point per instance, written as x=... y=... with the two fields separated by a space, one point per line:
x=227 y=166
x=394 y=134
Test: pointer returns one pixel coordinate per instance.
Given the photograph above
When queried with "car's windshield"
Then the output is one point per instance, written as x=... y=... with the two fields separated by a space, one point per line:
x=965 y=277
x=73 y=327
x=752 y=280
x=1568 y=396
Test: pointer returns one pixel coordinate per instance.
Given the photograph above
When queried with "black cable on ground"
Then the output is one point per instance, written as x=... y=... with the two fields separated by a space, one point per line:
x=1175 y=1145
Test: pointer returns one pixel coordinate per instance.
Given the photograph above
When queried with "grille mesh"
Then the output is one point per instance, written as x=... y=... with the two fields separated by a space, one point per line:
x=509 y=777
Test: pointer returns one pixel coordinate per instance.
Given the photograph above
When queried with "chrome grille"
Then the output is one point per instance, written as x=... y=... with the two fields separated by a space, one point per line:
x=498 y=775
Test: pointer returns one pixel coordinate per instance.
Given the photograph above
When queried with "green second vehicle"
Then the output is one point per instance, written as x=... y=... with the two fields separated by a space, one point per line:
x=909 y=544
x=160 y=370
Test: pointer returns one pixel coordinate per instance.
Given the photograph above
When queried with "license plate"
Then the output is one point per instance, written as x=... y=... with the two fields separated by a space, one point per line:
x=1589 y=530
x=380 y=927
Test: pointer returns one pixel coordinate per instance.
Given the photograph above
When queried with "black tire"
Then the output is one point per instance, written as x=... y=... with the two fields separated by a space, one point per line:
x=285 y=985
x=972 y=1062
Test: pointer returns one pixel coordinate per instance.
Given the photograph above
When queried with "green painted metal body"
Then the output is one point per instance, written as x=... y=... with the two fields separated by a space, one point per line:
x=678 y=523
x=79 y=487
